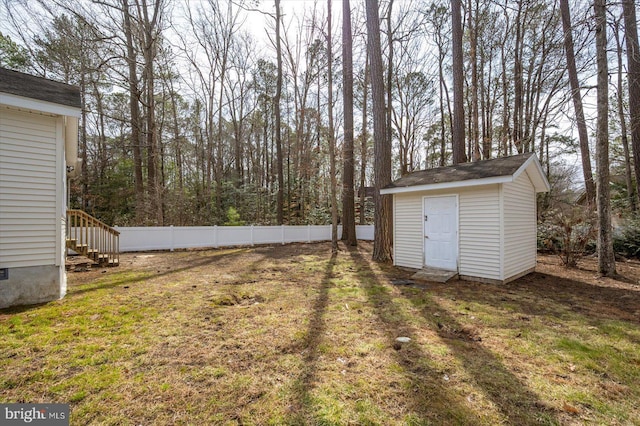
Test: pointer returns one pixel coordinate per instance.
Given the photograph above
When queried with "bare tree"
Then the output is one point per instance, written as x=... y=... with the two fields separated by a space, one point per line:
x=606 y=259
x=437 y=16
x=633 y=65
x=577 y=102
x=332 y=138
x=458 y=137
x=382 y=146
x=473 y=20
x=348 y=196
x=364 y=139
x=278 y=119
x=390 y=71
x=518 y=107
x=134 y=106
x=150 y=29
x=628 y=174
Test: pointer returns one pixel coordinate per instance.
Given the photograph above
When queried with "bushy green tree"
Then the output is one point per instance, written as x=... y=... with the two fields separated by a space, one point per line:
x=233 y=218
x=12 y=55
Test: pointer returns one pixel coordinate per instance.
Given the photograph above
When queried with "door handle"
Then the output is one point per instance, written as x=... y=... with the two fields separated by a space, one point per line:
x=426 y=237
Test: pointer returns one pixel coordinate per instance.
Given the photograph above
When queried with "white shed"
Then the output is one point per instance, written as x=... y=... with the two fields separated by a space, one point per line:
x=477 y=219
x=38 y=117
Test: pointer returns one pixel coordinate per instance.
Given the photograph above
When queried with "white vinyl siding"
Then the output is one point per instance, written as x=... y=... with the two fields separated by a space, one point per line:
x=519 y=226
x=479 y=239
x=408 y=233
x=29 y=219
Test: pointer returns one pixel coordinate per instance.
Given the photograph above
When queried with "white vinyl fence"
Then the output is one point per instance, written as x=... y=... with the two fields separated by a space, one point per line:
x=182 y=237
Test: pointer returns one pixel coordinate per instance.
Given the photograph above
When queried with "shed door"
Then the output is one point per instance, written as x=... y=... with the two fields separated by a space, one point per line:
x=441 y=232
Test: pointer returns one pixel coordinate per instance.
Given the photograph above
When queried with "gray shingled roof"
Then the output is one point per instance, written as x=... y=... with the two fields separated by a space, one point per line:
x=505 y=166
x=29 y=86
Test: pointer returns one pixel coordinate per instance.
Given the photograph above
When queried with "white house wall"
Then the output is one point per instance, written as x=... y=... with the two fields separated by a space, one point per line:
x=29 y=179
x=408 y=245
x=479 y=227
x=519 y=226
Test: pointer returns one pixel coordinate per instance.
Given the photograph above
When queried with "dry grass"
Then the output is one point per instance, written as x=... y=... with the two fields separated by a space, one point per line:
x=293 y=335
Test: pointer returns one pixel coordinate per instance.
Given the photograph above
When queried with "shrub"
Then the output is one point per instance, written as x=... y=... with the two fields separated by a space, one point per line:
x=233 y=218
x=626 y=239
x=569 y=234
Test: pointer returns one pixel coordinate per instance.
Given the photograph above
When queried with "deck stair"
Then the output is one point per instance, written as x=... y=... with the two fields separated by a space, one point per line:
x=93 y=239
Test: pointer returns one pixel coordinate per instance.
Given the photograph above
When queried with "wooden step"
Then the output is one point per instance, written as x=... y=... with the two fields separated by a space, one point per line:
x=90 y=237
x=71 y=243
x=82 y=249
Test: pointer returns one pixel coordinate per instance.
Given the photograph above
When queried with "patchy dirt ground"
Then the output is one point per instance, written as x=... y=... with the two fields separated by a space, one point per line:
x=615 y=297
x=294 y=335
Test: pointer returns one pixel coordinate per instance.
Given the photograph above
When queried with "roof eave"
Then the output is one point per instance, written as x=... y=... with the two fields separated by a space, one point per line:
x=539 y=180
x=22 y=102
x=447 y=185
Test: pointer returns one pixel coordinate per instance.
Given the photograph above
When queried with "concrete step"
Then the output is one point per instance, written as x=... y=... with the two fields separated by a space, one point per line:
x=434 y=275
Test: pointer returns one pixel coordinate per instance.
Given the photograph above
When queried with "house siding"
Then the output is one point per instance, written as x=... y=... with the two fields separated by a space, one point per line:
x=408 y=233
x=519 y=226
x=479 y=232
x=29 y=177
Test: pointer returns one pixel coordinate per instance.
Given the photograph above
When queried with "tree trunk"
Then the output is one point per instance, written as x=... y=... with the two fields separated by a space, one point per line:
x=633 y=76
x=134 y=106
x=348 y=197
x=458 y=137
x=389 y=83
x=84 y=172
x=155 y=210
x=631 y=194
x=606 y=259
x=441 y=89
x=276 y=100
x=332 y=140
x=382 y=146
x=517 y=81
x=473 y=57
x=364 y=146
x=577 y=103
x=506 y=145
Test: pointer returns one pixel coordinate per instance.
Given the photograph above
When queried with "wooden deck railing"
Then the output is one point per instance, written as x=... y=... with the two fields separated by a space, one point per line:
x=93 y=237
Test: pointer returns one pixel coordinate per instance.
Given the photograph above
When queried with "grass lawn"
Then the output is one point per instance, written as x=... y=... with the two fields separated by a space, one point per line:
x=292 y=335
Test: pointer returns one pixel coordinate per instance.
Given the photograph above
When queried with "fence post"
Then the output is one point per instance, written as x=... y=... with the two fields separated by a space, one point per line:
x=215 y=236
x=172 y=238
x=251 y=235
x=308 y=233
x=282 y=226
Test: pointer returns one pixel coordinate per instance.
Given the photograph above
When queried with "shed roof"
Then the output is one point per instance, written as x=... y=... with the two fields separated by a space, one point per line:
x=29 y=86
x=496 y=170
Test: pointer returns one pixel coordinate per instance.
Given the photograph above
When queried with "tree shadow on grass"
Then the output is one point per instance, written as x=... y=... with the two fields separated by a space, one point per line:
x=517 y=403
x=558 y=303
x=431 y=400
x=553 y=299
x=599 y=301
x=302 y=409
x=127 y=281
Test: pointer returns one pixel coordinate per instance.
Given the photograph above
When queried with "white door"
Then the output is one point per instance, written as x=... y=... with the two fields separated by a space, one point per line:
x=441 y=232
